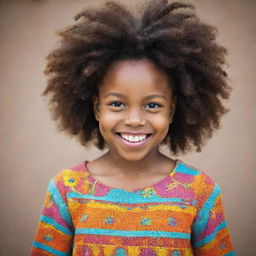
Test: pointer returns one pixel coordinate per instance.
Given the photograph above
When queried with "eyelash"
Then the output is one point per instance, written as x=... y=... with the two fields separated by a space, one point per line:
x=113 y=102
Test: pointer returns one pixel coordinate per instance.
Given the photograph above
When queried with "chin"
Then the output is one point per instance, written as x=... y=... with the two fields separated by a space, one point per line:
x=132 y=157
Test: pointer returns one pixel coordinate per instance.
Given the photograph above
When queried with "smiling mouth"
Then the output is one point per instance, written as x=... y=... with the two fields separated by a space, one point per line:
x=133 y=138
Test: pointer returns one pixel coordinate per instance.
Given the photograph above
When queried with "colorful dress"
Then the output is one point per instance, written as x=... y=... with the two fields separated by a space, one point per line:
x=180 y=215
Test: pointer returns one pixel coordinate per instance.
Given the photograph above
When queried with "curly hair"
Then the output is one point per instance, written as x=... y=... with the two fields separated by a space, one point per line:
x=170 y=35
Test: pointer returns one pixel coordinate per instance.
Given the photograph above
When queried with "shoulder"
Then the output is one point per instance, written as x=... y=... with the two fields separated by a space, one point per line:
x=70 y=177
x=199 y=179
x=74 y=170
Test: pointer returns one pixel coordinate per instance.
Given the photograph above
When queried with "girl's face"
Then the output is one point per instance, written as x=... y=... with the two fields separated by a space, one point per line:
x=134 y=108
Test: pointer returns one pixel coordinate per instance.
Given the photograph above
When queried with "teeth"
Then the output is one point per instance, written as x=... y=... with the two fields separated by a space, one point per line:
x=133 y=138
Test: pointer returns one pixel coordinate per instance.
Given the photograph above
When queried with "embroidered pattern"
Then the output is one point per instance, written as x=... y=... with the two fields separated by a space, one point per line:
x=172 y=221
x=148 y=192
x=109 y=220
x=145 y=221
x=48 y=237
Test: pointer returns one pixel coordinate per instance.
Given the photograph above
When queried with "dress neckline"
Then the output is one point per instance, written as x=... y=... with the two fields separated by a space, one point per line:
x=95 y=181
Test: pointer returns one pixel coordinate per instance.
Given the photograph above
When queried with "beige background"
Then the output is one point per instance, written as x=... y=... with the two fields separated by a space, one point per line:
x=33 y=151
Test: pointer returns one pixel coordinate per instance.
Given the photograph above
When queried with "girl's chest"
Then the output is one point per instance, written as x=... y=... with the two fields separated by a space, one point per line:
x=164 y=207
x=128 y=219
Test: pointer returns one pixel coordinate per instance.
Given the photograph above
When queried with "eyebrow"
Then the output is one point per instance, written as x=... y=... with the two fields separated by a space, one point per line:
x=120 y=95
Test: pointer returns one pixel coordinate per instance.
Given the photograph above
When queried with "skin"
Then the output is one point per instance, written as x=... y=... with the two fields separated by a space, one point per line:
x=132 y=111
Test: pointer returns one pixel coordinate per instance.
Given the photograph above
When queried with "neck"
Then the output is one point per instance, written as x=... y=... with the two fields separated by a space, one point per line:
x=151 y=163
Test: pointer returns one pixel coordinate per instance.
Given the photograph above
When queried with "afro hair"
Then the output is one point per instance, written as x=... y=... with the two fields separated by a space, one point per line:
x=170 y=35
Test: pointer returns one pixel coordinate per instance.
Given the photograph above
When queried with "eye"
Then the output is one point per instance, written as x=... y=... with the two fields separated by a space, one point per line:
x=115 y=104
x=153 y=105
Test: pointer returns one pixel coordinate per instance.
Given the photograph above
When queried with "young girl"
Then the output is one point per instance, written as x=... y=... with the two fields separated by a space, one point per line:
x=132 y=83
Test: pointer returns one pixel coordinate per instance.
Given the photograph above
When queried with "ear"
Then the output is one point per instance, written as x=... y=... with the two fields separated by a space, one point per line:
x=96 y=106
x=173 y=108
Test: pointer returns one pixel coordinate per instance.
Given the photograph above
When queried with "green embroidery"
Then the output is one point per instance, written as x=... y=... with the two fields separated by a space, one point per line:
x=145 y=221
x=92 y=187
x=176 y=253
x=148 y=192
x=84 y=217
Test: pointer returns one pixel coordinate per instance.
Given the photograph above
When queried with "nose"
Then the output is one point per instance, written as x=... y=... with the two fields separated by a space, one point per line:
x=135 y=118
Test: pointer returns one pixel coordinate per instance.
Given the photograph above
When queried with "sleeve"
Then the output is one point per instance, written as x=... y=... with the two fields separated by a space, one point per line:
x=210 y=233
x=54 y=235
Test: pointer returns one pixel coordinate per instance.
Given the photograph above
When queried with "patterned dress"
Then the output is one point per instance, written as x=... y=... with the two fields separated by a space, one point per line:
x=180 y=215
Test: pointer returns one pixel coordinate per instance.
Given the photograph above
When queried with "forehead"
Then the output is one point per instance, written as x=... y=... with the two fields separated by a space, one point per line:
x=135 y=77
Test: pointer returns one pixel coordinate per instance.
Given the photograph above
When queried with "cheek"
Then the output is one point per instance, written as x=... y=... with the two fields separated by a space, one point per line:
x=161 y=126
x=160 y=121
x=110 y=115
x=107 y=119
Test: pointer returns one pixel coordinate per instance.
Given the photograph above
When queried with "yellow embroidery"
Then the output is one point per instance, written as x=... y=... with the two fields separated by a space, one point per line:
x=175 y=183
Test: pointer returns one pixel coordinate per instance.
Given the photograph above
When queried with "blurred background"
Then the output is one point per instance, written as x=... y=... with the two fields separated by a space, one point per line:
x=33 y=151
